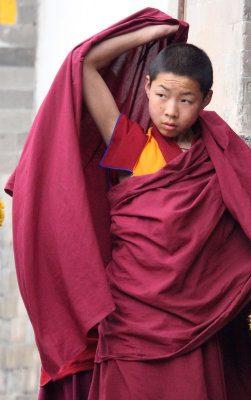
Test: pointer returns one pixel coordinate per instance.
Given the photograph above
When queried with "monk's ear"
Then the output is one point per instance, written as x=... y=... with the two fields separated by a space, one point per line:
x=207 y=99
x=147 y=85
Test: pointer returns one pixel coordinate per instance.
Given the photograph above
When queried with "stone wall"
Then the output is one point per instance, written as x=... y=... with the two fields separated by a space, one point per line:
x=19 y=360
x=223 y=29
x=245 y=89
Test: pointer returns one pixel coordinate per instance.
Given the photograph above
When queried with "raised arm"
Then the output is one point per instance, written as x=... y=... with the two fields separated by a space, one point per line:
x=97 y=95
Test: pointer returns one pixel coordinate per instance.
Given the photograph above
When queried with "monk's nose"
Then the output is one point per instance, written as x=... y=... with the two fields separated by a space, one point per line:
x=171 y=109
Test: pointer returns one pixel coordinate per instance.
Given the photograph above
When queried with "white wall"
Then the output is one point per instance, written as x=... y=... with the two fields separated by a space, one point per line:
x=63 y=24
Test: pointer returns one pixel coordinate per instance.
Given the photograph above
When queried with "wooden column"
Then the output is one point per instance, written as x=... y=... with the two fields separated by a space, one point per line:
x=181 y=10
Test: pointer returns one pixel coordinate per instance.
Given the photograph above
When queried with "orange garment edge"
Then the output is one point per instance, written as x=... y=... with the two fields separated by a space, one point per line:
x=151 y=159
x=83 y=362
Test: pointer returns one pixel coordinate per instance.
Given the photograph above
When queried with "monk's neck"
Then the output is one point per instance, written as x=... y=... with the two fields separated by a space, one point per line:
x=185 y=140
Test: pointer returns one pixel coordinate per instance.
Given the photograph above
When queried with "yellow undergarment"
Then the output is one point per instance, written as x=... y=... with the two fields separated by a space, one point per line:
x=151 y=159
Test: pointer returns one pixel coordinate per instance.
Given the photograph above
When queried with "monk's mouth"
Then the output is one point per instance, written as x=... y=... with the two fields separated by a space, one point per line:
x=169 y=126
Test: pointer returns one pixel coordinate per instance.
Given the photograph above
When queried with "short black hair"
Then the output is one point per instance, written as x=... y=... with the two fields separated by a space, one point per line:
x=184 y=59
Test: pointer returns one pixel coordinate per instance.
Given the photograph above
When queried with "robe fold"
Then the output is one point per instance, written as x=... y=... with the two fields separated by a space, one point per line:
x=181 y=258
x=60 y=212
x=179 y=274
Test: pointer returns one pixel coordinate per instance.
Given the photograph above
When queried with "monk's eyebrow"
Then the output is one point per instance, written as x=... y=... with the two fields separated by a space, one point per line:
x=182 y=94
x=163 y=87
x=187 y=94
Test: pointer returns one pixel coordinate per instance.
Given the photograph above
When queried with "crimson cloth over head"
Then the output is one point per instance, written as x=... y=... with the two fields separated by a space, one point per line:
x=60 y=213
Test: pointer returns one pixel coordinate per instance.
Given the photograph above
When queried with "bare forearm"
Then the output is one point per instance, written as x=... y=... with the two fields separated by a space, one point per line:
x=100 y=55
x=96 y=94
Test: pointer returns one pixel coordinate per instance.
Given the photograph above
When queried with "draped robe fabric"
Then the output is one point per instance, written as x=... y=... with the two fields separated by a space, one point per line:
x=60 y=213
x=180 y=272
x=181 y=258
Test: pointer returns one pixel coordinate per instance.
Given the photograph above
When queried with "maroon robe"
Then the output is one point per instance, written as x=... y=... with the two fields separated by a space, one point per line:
x=181 y=258
x=60 y=213
x=180 y=271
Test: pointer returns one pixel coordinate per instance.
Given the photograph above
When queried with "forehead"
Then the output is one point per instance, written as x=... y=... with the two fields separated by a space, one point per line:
x=171 y=81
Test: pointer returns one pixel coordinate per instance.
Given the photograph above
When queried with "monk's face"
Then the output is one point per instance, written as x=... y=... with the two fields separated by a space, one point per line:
x=175 y=103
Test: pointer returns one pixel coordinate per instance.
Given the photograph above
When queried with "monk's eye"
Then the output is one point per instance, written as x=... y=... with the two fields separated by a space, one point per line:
x=186 y=101
x=161 y=95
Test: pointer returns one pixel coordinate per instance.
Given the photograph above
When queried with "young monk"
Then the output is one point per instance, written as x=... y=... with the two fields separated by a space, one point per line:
x=173 y=236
